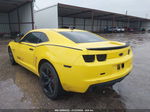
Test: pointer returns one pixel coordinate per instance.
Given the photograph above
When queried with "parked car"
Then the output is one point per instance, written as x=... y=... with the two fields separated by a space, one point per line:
x=129 y=29
x=110 y=29
x=143 y=29
x=122 y=29
x=118 y=29
x=114 y=29
x=71 y=60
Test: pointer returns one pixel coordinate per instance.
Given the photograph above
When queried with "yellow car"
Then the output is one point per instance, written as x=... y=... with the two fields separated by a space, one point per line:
x=70 y=59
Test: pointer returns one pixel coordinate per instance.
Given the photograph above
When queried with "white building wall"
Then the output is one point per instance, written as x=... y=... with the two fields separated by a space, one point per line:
x=4 y=26
x=47 y=18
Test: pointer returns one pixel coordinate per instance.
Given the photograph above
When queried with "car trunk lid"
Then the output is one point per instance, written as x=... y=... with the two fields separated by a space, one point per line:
x=102 y=45
x=111 y=48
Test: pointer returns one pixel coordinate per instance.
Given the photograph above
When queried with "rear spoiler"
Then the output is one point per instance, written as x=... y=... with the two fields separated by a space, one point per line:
x=109 y=48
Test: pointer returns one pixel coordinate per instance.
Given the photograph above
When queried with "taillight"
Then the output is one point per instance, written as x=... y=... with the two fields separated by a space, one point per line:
x=101 y=57
x=89 y=58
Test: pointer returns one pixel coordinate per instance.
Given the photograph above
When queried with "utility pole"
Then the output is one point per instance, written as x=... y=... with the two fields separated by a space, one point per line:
x=126 y=12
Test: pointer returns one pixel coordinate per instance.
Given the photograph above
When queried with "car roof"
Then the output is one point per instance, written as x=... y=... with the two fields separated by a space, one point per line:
x=58 y=30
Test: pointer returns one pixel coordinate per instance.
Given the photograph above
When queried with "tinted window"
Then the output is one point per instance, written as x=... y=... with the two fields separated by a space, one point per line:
x=35 y=37
x=82 y=37
x=31 y=38
x=43 y=38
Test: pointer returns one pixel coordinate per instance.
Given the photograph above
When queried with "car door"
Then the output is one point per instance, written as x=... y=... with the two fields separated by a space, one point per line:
x=26 y=48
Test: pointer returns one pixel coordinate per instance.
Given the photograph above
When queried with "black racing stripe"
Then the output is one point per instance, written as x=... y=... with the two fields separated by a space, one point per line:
x=61 y=46
x=53 y=45
x=109 y=48
x=28 y=45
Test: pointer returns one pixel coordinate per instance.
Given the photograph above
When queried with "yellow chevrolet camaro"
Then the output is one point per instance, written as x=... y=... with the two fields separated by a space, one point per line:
x=71 y=60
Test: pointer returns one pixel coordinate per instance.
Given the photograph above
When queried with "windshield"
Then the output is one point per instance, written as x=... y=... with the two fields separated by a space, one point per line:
x=82 y=37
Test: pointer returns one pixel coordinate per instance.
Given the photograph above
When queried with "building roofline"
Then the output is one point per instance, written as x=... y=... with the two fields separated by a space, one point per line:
x=97 y=10
x=94 y=10
x=46 y=8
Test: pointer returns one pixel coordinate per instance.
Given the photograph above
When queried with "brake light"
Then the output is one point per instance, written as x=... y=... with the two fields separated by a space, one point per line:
x=101 y=57
x=89 y=58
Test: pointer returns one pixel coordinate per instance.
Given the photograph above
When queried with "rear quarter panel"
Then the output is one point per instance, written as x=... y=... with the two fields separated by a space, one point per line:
x=58 y=56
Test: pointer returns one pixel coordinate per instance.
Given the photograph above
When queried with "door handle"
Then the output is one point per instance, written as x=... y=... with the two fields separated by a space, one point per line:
x=31 y=49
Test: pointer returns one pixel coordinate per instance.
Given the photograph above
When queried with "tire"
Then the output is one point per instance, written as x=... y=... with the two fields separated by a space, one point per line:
x=11 y=57
x=49 y=81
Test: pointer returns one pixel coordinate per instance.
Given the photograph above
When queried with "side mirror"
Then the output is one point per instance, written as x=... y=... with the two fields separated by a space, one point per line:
x=18 y=38
x=20 y=35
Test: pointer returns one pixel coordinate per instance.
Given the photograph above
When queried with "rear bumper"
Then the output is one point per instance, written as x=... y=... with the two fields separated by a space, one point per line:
x=80 y=78
x=80 y=85
x=109 y=83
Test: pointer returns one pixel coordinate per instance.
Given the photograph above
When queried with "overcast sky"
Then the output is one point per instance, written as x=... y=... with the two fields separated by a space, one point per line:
x=139 y=8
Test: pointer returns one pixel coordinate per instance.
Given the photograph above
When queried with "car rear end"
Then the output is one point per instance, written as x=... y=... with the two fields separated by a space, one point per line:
x=98 y=63
x=102 y=67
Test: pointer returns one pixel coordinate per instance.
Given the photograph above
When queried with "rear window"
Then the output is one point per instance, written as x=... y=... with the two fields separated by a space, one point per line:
x=82 y=37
